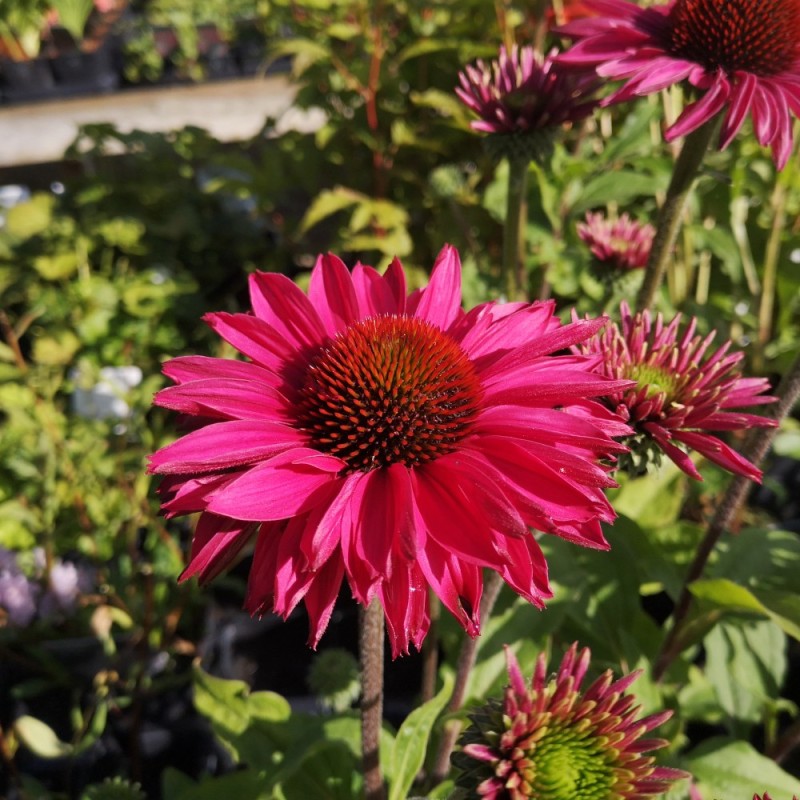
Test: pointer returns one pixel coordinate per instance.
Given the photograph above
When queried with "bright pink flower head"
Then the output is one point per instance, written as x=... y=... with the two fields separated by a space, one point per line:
x=393 y=440
x=740 y=55
x=683 y=394
x=549 y=741
x=623 y=244
x=523 y=92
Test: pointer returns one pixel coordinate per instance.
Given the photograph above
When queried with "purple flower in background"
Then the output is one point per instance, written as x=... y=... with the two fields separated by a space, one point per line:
x=18 y=597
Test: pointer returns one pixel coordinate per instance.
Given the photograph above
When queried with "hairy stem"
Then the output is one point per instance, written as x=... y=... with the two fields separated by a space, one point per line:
x=754 y=450
x=687 y=166
x=466 y=661
x=371 y=651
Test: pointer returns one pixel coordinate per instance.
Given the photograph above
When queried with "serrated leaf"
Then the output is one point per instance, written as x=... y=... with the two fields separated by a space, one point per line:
x=726 y=769
x=408 y=754
x=40 y=738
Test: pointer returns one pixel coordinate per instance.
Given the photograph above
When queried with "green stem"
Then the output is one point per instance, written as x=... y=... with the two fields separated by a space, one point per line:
x=466 y=661
x=514 y=230
x=754 y=450
x=371 y=651
x=687 y=166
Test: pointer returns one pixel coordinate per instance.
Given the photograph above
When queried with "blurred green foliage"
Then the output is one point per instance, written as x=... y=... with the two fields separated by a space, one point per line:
x=154 y=230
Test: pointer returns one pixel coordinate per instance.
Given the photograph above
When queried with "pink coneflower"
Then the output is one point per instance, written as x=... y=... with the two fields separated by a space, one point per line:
x=549 y=741
x=525 y=95
x=623 y=244
x=395 y=441
x=739 y=55
x=684 y=393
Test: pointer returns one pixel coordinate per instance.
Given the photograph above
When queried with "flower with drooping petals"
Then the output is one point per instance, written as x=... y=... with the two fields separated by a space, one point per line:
x=739 y=55
x=622 y=244
x=395 y=441
x=684 y=393
x=549 y=741
x=525 y=97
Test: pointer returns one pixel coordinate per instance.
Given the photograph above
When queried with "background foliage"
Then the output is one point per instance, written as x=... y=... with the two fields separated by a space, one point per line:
x=116 y=268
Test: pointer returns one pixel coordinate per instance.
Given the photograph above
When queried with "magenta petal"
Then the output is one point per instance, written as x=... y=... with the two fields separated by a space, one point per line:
x=440 y=301
x=450 y=517
x=331 y=293
x=741 y=100
x=292 y=482
x=261 y=580
x=395 y=279
x=456 y=583
x=373 y=293
x=254 y=338
x=224 y=397
x=321 y=597
x=192 y=368
x=695 y=114
x=217 y=541
x=224 y=445
x=405 y=604
x=718 y=452
x=282 y=304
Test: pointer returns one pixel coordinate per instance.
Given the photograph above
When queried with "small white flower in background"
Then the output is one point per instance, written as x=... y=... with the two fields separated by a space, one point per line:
x=107 y=398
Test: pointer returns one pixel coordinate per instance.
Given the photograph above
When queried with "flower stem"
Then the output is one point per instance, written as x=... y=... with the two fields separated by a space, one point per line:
x=687 y=166
x=371 y=651
x=754 y=450
x=466 y=661
x=514 y=229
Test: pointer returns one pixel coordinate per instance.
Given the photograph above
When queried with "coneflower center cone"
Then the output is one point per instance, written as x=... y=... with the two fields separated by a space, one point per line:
x=388 y=390
x=757 y=36
x=570 y=766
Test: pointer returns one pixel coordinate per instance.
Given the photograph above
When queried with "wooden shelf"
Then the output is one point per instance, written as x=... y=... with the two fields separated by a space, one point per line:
x=230 y=110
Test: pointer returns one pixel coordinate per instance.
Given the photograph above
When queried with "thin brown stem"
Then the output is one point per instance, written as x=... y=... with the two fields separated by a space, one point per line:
x=12 y=341
x=687 y=166
x=466 y=661
x=786 y=744
x=371 y=651
x=430 y=651
x=754 y=450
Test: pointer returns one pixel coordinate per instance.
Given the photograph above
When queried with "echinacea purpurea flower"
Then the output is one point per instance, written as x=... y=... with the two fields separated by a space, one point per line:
x=392 y=440
x=622 y=244
x=522 y=98
x=684 y=394
x=550 y=741
x=741 y=56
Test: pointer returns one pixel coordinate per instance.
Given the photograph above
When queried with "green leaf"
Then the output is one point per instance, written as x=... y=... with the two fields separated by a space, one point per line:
x=620 y=186
x=244 y=783
x=328 y=772
x=31 y=218
x=727 y=769
x=746 y=664
x=782 y=607
x=41 y=738
x=329 y=202
x=56 y=267
x=411 y=742
x=653 y=500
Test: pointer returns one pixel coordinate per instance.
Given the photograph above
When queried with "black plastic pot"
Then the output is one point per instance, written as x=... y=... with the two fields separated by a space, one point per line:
x=26 y=80
x=77 y=72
